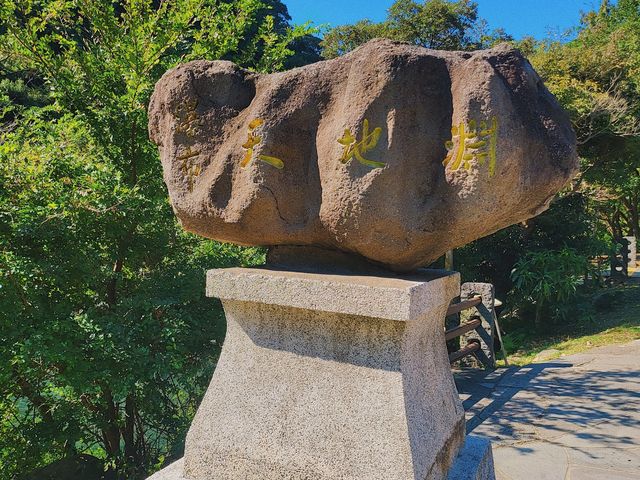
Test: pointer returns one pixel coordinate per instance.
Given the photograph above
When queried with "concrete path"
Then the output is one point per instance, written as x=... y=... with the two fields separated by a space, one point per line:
x=577 y=418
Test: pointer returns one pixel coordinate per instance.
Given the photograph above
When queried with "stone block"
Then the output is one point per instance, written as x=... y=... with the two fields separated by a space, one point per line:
x=328 y=375
x=486 y=312
x=474 y=462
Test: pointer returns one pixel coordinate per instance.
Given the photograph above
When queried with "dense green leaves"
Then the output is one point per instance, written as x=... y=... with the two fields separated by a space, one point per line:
x=107 y=340
x=548 y=280
x=434 y=24
x=438 y=24
x=596 y=77
x=570 y=223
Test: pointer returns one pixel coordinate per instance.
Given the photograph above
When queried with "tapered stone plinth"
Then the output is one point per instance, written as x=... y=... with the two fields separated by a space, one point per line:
x=328 y=376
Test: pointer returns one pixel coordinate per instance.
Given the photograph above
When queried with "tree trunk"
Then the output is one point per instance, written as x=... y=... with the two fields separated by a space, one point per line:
x=110 y=431
x=635 y=219
x=632 y=217
x=112 y=284
x=128 y=432
x=33 y=395
x=538 y=318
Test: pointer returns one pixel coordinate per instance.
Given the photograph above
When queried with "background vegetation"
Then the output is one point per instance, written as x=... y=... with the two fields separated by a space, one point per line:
x=107 y=342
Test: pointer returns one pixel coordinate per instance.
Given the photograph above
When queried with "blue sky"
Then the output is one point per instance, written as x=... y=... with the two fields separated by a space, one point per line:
x=517 y=17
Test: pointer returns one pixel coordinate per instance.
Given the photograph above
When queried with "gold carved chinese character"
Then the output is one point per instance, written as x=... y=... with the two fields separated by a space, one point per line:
x=468 y=142
x=188 y=122
x=353 y=148
x=189 y=168
x=252 y=141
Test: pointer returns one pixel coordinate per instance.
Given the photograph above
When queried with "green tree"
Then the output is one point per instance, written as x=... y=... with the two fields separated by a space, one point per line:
x=570 y=223
x=548 y=281
x=345 y=38
x=437 y=24
x=596 y=77
x=107 y=340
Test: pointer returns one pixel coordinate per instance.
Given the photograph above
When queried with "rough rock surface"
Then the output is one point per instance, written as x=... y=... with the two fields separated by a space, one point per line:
x=393 y=152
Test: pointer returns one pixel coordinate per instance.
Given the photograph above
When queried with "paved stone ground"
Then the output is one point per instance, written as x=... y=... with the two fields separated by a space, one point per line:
x=577 y=418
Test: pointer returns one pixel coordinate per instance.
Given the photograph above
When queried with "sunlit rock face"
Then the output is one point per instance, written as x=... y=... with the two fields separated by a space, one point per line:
x=393 y=152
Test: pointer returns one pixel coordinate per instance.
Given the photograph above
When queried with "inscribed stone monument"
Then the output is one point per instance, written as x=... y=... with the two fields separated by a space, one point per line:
x=355 y=172
x=393 y=152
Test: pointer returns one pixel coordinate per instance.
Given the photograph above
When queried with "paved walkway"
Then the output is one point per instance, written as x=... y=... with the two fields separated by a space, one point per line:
x=577 y=418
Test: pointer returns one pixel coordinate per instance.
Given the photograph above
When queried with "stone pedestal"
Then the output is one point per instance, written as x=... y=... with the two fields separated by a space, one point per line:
x=328 y=376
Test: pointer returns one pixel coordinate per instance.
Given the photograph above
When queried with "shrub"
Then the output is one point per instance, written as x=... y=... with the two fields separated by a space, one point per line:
x=548 y=281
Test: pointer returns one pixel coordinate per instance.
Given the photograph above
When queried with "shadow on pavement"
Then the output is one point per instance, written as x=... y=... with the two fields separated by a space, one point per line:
x=553 y=398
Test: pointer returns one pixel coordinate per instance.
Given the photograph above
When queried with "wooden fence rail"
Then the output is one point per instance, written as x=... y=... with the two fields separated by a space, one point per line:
x=465 y=305
x=479 y=331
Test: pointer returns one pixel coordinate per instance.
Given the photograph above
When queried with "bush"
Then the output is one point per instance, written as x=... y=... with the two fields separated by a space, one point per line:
x=548 y=281
x=108 y=341
x=570 y=222
x=606 y=300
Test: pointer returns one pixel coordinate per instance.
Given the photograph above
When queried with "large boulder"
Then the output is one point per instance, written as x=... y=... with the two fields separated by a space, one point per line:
x=393 y=152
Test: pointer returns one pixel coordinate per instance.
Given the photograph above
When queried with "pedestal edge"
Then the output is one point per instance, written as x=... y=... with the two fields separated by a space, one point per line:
x=392 y=297
x=474 y=461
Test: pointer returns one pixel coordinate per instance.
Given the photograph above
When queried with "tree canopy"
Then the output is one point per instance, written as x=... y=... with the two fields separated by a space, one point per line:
x=108 y=341
x=437 y=24
x=596 y=77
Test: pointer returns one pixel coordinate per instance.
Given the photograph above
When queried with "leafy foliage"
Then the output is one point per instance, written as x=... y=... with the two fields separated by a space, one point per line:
x=438 y=24
x=548 y=280
x=570 y=223
x=108 y=341
x=596 y=77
